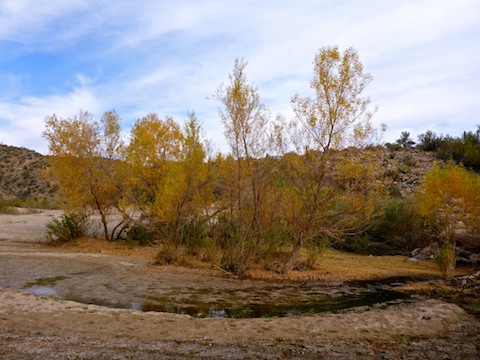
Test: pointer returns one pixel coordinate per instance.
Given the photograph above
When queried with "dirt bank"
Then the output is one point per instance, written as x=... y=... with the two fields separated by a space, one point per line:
x=38 y=327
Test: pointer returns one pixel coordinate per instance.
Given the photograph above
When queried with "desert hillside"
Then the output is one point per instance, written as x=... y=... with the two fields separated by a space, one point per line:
x=22 y=176
x=22 y=171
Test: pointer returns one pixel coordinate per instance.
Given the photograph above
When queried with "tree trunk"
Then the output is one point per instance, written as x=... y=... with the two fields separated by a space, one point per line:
x=105 y=227
x=293 y=257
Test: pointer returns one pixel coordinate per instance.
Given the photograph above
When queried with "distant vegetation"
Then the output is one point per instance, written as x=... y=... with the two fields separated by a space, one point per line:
x=463 y=149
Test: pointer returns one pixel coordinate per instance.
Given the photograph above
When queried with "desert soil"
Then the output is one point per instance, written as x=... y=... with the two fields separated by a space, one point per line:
x=36 y=325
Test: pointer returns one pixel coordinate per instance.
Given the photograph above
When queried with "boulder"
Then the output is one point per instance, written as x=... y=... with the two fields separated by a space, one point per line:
x=425 y=253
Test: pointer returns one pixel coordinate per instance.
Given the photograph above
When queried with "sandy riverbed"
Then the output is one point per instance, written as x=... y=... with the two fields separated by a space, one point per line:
x=41 y=327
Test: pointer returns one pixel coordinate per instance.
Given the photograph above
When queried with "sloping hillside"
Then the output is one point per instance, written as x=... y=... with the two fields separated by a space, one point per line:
x=22 y=176
x=22 y=172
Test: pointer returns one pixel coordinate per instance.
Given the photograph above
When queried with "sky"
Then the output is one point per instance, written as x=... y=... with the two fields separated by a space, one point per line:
x=169 y=57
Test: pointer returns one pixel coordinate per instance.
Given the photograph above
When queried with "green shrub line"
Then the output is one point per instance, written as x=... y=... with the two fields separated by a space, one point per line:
x=11 y=206
x=67 y=228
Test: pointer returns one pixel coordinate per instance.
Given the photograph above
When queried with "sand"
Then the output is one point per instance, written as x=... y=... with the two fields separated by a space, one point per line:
x=40 y=327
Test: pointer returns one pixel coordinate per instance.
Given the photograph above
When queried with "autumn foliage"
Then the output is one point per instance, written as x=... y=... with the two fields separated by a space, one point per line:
x=450 y=197
x=283 y=186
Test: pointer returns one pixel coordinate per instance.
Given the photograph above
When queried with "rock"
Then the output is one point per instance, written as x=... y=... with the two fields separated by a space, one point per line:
x=425 y=253
x=468 y=258
x=474 y=259
x=471 y=282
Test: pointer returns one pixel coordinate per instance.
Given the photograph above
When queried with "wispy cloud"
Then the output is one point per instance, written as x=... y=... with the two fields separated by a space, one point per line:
x=167 y=57
x=23 y=122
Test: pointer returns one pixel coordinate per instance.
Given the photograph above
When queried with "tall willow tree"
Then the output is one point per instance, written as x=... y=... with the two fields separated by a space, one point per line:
x=336 y=117
x=187 y=189
x=84 y=155
x=245 y=121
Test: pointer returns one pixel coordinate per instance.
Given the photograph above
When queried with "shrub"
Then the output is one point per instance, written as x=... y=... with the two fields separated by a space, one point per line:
x=193 y=235
x=398 y=230
x=446 y=259
x=409 y=161
x=141 y=234
x=405 y=140
x=147 y=230
x=315 y=250
x=430 y=141
x=208 y=250
x=169 y=255
x=239 y=257
x=66 y=228
x=404 y=169
x=392 y=148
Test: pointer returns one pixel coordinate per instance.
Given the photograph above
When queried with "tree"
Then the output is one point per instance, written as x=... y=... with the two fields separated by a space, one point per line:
x=337 y=116
x=187 y=188
x=154 y=145
x=245 y=121
x=83 y=161
x=405 y=141
x=450 y=196
x=430 y=141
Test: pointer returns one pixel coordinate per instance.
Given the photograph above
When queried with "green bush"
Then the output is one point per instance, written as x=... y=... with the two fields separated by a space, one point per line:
x=404 y=169
x=446 y=259
x=147 y=231
x=401 y=226
x=409 y=161
x=66 y=228
x=141 y=234
x=193 y=235
x=464 y=149
x=392 y=148
x=430 y=141
x=239 y=257
x=398 y=230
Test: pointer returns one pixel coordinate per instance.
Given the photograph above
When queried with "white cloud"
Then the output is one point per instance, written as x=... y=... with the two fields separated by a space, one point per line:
x=22 y=123
x=25 y=21
x=167 y=56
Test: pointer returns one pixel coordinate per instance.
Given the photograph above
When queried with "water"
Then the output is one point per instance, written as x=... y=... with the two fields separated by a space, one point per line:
x=42 y=291
x=290 y=299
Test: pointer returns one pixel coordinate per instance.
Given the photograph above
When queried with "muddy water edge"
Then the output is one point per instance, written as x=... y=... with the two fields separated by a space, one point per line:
x=130 y=283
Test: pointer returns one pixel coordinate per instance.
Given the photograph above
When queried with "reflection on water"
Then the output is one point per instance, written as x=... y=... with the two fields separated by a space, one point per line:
x=251 y=303
x=41 y=290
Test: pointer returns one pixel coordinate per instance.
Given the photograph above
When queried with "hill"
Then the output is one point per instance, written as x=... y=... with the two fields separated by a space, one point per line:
x=22 y=177
x=22 y=172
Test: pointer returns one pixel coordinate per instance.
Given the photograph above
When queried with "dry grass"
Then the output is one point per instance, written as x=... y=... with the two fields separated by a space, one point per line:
x=332 y=265
x=89 y=245
x=342 y=266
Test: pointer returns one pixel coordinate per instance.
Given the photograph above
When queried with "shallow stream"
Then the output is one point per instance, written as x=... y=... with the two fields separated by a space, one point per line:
x=119 y=282
x=274 y=300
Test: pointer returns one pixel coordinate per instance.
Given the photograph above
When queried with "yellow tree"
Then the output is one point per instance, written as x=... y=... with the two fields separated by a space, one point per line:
x=154 y=145
x=336 y=117
x=245 y=121
x=450 y=196
x=83 y=155
x=187 y=189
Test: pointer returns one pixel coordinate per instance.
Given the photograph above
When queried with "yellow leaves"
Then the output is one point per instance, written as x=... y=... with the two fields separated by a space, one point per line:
x=154 y=141
x=338 y=109
x=451 y=194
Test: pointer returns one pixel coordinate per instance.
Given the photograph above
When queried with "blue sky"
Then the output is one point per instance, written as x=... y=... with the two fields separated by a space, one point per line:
x=168 y=57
